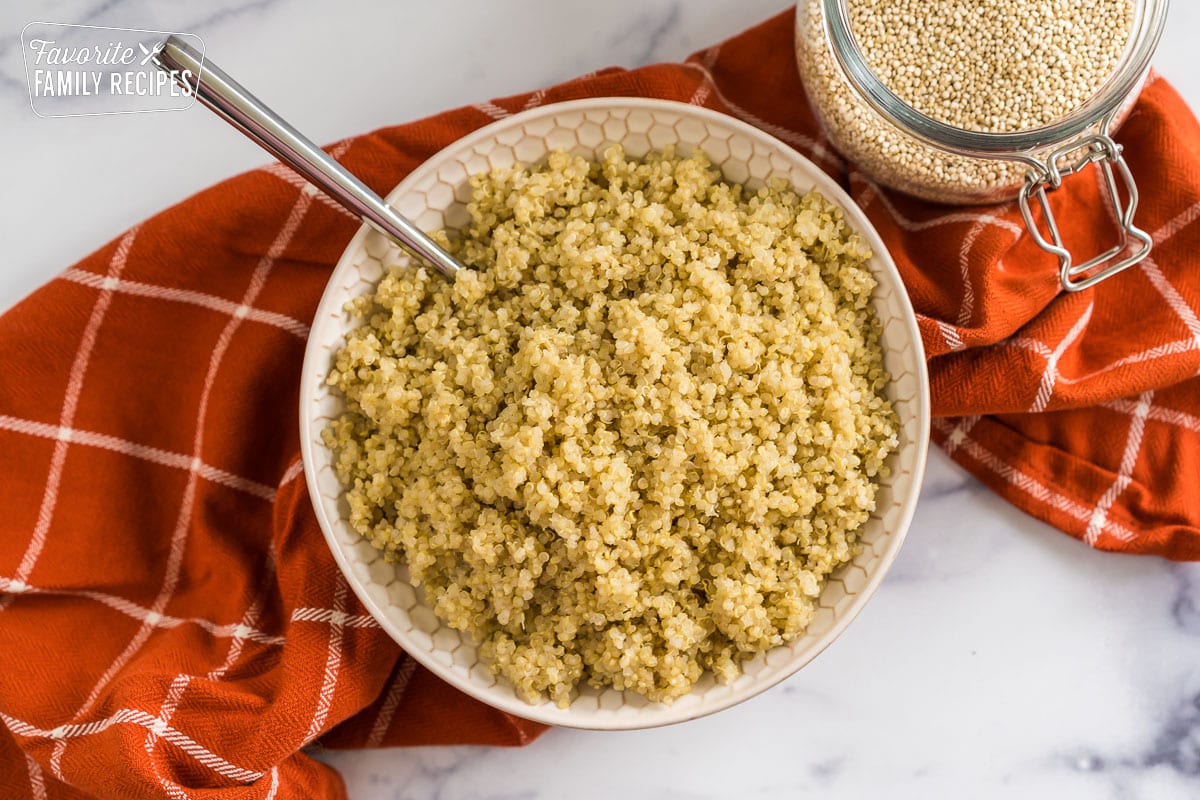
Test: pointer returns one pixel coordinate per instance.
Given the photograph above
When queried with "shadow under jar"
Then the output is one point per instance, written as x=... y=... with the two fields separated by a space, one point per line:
x=905 y=149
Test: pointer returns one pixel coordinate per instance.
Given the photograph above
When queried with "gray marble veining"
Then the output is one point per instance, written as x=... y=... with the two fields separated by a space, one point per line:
x=1186 y=608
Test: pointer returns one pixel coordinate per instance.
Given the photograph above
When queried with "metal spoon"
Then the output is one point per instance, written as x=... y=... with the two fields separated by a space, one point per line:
x=230 y=100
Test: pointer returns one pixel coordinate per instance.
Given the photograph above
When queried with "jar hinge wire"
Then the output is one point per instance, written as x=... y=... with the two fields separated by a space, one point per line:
x=1045 y=177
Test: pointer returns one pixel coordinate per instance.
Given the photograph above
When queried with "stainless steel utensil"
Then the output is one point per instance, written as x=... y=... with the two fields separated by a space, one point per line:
x=231 y=101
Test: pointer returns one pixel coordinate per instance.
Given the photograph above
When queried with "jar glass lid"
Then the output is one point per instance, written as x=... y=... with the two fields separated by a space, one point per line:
x=1149 y=22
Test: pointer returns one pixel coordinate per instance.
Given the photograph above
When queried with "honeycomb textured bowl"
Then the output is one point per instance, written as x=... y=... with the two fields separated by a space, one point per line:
x=434 y=197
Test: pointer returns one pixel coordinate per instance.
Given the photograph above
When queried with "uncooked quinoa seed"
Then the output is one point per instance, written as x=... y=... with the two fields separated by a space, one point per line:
x=992 y=65
x=996 y=66
x=632 y=441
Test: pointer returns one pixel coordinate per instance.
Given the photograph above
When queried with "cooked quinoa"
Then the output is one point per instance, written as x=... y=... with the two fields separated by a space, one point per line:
x=632 y=442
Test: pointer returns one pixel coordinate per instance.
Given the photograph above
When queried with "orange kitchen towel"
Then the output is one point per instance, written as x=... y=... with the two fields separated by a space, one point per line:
x=171 y=622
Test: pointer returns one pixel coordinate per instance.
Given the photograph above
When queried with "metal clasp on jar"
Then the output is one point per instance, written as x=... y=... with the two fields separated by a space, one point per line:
x=1044 y=177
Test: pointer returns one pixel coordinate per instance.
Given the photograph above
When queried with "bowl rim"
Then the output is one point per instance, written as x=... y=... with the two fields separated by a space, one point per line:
x=546 y=712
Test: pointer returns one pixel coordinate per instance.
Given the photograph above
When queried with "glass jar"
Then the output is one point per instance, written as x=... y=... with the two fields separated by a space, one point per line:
x=907 y=150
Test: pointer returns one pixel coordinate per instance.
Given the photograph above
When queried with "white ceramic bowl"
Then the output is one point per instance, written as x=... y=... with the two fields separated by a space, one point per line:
x=434 y=197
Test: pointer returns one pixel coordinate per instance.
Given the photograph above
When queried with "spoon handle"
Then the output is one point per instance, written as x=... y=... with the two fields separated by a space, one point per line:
x=231 y=101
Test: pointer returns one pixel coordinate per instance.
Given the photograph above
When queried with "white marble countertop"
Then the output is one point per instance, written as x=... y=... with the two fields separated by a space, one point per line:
x=1000 y=658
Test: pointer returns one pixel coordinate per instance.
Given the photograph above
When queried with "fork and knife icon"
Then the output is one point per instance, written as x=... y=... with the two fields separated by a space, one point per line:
x=151 y=52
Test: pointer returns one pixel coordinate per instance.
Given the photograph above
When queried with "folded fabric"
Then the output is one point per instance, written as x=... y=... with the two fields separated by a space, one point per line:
x=172 y=621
